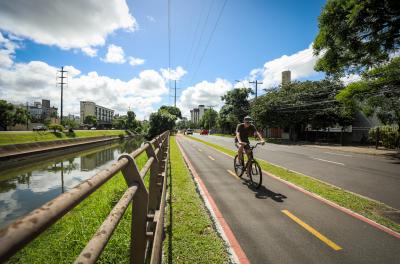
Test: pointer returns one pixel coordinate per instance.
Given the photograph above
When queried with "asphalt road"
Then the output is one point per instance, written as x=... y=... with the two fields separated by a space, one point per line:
x=260 y=218
x=376 y=177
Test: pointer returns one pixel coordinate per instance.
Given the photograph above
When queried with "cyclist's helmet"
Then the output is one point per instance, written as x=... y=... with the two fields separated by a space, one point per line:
x=247 y=119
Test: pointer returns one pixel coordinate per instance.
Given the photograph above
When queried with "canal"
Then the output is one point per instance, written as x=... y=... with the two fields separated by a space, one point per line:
x=27 y=187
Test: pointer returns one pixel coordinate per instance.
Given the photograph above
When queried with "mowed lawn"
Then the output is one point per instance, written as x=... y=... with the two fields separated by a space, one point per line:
x=17 y=137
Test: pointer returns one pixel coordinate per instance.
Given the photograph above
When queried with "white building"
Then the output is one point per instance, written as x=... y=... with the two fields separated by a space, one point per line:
x=104 y=115
x=196 y=114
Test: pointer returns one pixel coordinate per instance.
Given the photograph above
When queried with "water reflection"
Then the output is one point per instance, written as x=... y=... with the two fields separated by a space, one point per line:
x=24 y=189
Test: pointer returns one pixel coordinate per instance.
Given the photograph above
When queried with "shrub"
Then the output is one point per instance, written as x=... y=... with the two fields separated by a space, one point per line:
x=389 y=136
x=56 y=127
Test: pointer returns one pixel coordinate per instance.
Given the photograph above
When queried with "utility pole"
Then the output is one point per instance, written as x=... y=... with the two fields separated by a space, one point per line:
x=175 y=95
x=62 y=77
x=256 y=82
x=27 y=115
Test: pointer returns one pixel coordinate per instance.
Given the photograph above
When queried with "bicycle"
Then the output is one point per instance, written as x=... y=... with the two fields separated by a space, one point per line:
x=251 y=167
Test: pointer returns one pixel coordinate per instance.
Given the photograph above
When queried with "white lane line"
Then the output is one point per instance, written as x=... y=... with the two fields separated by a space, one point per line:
x=339 y=163
x=339 y=154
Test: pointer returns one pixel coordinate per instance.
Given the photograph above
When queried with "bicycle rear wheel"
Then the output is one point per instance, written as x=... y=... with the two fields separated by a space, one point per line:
x=239 y=166
x=255 y=174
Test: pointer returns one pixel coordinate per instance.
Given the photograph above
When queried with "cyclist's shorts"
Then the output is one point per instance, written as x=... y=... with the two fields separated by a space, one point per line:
x=247 y=146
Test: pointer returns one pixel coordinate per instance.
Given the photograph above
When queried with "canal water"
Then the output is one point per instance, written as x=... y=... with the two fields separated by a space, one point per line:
x=28 y=187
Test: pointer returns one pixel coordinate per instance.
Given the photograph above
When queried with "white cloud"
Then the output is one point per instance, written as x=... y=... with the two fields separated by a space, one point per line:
x=66 y=24
x=28 y=82
x=301 y=64
x=205 y=93
x=115 y=54
x=91 y=52
x=7 y=50
x=151 y=19
x=135 y=61
x=172 y=74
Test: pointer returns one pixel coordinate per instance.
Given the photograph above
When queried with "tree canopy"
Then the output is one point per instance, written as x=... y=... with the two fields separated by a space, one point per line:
x=160 y=122
x=300 y=104
x=172 y=110
x=378 y=92
x=236 y=107
x=11 y=115
x=356 y=35
x=90 y=120
x=209 y=119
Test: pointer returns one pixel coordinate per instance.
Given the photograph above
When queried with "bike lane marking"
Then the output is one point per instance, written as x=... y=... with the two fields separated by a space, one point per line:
x=334 y=162
x=310 y=229
x=233 y=174
x=317 y=197
x=211 y=158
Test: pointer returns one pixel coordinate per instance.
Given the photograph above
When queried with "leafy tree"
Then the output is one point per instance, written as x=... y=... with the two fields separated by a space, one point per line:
x=10 y=116
x=238 y=100
x=299 y=104
x=160 y=122
x=227 y=121
x=131 y=122
x=119 y=122
x=354 y=35
x=172 y=110
x=209 y=119
x=90 y=120
x=378 y=92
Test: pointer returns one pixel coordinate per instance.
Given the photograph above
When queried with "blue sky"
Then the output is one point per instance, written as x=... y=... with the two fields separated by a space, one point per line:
x=252 y=39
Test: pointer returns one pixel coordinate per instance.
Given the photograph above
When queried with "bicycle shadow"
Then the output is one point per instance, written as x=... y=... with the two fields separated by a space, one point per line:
x=264 y=193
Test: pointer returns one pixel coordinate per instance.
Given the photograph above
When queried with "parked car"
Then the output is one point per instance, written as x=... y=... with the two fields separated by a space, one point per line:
x=189 y=131
x=39 y=128
x=93 y=128
x=204 y=132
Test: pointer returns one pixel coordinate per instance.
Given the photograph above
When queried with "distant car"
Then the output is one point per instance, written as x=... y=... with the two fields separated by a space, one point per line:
x=189 y=131
x=204 y=132
x=93 y=128
x=39 y=128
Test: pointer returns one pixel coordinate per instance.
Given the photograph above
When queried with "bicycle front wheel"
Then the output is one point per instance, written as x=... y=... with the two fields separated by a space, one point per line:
x=255 y=174
x=238 y=166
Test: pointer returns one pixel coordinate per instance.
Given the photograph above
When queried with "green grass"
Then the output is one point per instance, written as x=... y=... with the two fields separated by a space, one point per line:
x=371 y=209
x=17 y=137
x=64 y=241
x=190 y=236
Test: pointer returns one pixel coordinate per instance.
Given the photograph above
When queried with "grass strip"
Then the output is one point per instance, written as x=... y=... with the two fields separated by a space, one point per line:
x=17 y=137
x=369 y=208
x=64 y=241
x=190 y=236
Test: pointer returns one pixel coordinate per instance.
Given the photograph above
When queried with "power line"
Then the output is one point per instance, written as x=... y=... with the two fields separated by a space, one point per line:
x=209 y=40
x=169 y=45
x=256 y=82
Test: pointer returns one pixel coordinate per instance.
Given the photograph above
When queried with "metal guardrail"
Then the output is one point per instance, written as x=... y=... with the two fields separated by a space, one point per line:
x=147 y=208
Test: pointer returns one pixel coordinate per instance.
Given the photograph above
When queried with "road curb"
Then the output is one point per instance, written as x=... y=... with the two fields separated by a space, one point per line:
x=237 y=253
x=323 y=200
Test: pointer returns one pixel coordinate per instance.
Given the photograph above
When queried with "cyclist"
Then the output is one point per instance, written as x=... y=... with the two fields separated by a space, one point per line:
x=243 y=131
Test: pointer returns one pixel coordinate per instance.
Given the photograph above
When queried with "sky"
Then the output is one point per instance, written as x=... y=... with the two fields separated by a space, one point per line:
x=128 y=54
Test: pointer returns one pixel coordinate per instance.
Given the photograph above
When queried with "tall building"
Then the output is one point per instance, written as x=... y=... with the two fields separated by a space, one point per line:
x=104 y=115
x=286 y=77
x=196 y=114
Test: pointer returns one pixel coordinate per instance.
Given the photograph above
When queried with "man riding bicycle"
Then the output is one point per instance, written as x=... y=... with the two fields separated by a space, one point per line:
x=243 y=131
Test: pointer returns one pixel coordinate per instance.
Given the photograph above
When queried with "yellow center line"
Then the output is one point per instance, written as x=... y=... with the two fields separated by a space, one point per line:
x=211 y=158
x=200 y=150
x=233 y=174
x=312 y=231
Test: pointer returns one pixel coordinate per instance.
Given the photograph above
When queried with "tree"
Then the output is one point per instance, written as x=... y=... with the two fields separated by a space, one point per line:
x=238 y=100
x=10 y=116
x=172 y=110
x=299 y=104
x=90 y=120
x=131 y=122
x=70 y=123
x=209 y=119
x=356 y=35
x=119 y=122
x=160 y=122
x=377 y=93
